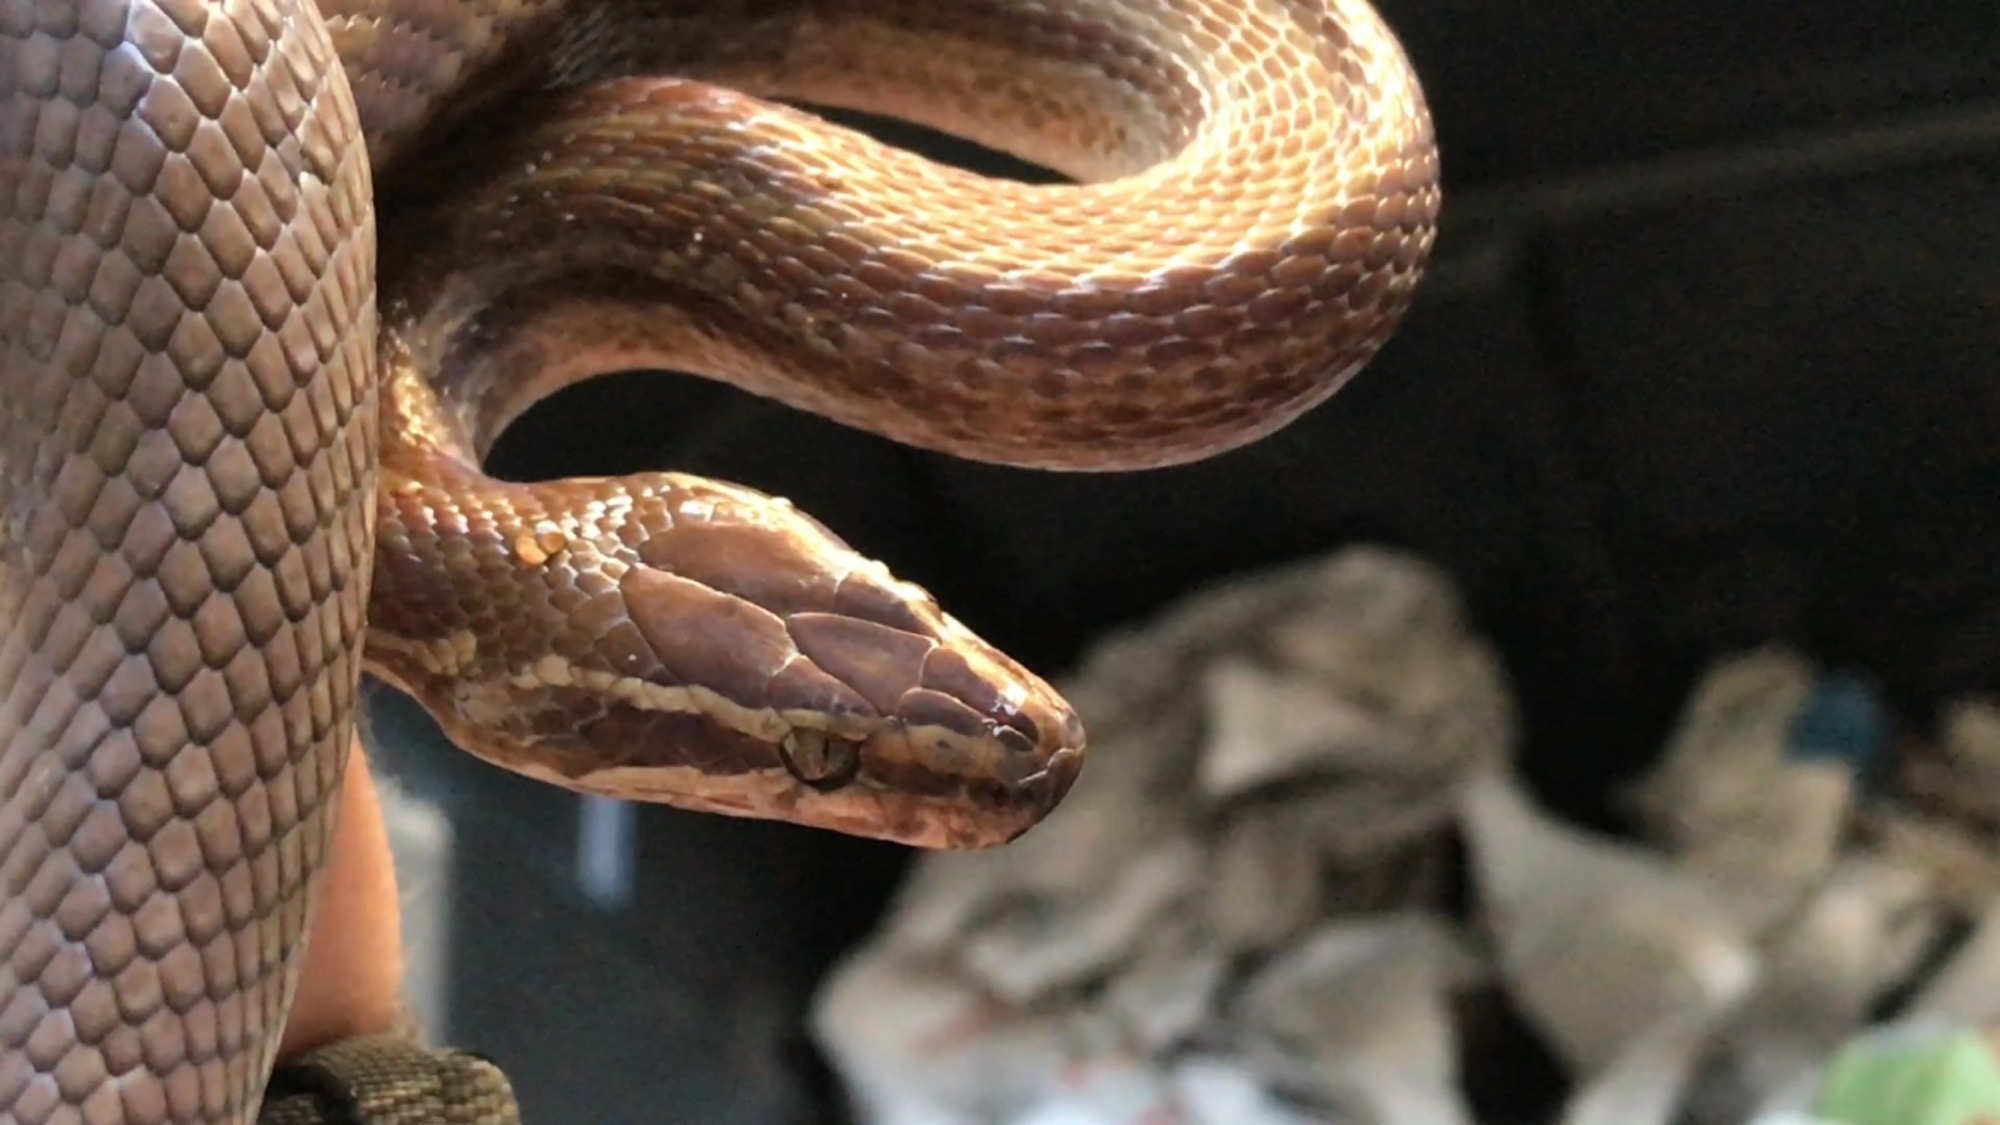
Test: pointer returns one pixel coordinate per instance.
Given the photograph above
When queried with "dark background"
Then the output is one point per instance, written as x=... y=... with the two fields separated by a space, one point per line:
x=1707 y=357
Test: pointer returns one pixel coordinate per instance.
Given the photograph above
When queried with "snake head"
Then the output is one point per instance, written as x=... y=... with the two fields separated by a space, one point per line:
x=673 y=639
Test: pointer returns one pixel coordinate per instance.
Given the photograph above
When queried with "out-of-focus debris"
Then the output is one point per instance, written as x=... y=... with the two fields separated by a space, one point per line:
x=1730 y=798
x=1365 y=1007
x=1861 y=932
x=1607 y=946
x=1212 y=928
x=1645 y=1081
x=1961 y=779
x=1015 y=961
x=1965 y=992
x=1299 y=849
x=1971 y=739
x=1913 y=1076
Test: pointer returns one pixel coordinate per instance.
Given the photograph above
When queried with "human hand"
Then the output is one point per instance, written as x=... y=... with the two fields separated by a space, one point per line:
x=351 y=983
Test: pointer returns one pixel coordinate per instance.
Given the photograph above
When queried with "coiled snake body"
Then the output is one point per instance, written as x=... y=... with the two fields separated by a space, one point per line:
x=235 y=445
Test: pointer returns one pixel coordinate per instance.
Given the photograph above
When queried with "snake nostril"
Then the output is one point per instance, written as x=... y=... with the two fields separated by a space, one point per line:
x=819 y=760
x=1014 y=740
x=1073 y=732
x=1027 y=728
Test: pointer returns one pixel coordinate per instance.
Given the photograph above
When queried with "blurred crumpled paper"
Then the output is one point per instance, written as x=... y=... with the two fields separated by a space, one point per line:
x=1224 y=921
x=1252 y=908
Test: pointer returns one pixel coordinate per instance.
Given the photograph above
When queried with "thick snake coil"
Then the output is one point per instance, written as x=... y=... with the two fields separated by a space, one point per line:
x=218 y=448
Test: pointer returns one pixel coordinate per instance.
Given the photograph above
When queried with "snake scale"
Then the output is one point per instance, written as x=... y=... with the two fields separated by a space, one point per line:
x=274 y=276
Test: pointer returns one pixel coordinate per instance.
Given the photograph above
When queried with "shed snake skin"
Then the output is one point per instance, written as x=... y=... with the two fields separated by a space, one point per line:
x=240 y=442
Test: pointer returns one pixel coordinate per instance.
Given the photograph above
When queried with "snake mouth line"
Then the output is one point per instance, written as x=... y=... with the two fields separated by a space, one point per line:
x=935 y=822
x=882 y=777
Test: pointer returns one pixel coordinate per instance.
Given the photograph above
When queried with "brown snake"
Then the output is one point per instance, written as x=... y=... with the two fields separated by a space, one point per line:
x=224 y=463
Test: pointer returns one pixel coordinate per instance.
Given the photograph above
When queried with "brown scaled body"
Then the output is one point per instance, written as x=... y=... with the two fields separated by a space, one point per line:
x=212 y=445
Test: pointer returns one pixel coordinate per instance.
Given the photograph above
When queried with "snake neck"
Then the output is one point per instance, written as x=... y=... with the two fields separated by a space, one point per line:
x=461 y=364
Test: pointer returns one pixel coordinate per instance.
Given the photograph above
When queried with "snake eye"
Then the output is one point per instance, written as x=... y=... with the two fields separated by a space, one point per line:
x=819 y=760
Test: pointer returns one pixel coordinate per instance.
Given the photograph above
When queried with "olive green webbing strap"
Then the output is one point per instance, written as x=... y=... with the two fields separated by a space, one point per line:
x=388 y=1080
